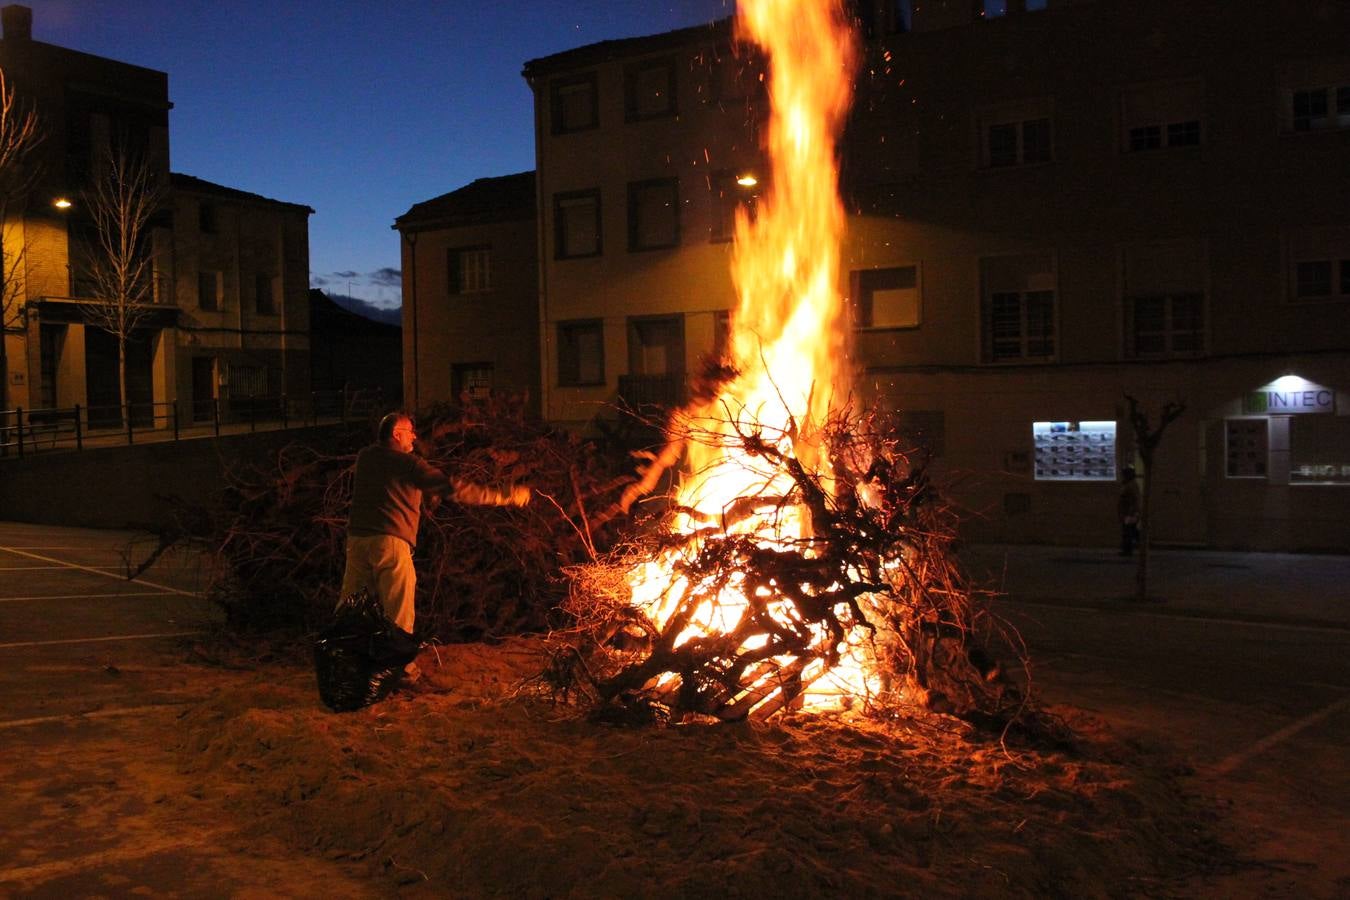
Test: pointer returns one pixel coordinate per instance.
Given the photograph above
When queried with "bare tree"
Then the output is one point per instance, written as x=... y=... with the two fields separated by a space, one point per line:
x=20 y=134
x=124 y=196
x=1146 y=440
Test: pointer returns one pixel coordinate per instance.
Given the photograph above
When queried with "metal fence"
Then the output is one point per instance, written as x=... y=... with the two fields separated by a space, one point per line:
x=24 y=432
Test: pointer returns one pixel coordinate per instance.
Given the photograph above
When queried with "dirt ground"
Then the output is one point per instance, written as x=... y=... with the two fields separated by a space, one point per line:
x=480 y=790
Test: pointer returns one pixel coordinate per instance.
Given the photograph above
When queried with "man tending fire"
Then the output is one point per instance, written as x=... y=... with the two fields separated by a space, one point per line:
x=386 y=511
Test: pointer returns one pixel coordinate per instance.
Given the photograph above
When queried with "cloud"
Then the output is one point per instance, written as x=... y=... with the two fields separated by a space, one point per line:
x=317 y=281
x=386 y=277
x=348 y=274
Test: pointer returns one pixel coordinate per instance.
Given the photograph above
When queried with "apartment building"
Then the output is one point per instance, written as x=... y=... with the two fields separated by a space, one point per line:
x=227 y=311
x=470 y=293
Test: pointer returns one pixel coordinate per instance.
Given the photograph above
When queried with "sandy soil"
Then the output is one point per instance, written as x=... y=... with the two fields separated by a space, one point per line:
x=480 y=790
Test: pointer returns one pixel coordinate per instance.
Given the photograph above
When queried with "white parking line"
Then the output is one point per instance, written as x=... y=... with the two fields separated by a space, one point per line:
x=92 y=714
x=86 y=596
x=1225 y=766
x=95 y=640
x=94 y=571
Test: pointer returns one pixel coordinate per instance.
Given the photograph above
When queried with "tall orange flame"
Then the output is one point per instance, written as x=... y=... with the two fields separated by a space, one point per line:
x=788 y=346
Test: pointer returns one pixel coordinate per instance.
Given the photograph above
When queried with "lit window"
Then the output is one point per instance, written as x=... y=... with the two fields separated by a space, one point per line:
x=576 y=224
x=1075 y=451
x=574 y=104
x=581 y=353
x=653 y=214
x=1246 y=447
x=887 y=298
x=469 y=269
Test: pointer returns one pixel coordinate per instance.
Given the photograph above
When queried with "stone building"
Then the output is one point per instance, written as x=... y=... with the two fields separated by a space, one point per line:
x=227 y=315
x=1052 y=204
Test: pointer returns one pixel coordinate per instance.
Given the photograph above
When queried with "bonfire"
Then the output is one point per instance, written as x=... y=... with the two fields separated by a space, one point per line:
x=805 y=561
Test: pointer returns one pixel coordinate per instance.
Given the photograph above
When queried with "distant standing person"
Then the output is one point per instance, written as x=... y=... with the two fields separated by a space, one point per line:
x=1127 y=508
x=386 y=512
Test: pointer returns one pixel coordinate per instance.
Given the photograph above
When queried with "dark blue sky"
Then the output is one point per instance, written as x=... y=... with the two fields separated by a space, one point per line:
x=358 y=109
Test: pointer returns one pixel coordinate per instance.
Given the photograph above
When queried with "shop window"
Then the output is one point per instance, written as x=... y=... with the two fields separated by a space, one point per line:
x=469 y=269
x=264 y=299
x=209 y=291
x=887 y=298
x=1246 y=447
x=581 y=353
x=726 y=195
x=649 y=90
x=654 y=214
x=1161 y=116
x=1018 y=308
x=471 y=381
x=574 y=104
x=576 y=224
x=1074 y=451
x=1319 y=449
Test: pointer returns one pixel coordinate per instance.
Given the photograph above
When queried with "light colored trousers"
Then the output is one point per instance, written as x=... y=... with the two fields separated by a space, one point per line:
x=383 y=563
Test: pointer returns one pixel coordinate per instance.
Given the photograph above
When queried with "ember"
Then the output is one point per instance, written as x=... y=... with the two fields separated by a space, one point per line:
x=804 y=562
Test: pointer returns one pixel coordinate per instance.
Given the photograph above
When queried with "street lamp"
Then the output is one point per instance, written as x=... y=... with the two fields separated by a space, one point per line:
x=62 y=203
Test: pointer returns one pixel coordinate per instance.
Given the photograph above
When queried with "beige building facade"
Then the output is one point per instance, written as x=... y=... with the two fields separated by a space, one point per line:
x=225 y=318
x=470 y=294
x=1053 y=205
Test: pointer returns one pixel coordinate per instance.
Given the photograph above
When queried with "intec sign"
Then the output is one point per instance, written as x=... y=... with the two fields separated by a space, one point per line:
x=1290 y=396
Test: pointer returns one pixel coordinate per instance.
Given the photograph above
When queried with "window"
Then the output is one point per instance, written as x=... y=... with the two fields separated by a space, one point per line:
x=264 y=302
x=1319 y=449
x=471 y=381
x=1016 y=135
x=721 y=334
x=469 y=269
x=573 y=103
x=1159 y=116
x=656 y=345
x=735 y=75
x=247 y=381
x=581 y=353
x=649 y=90
x=878 y=19
x=209 y=291
x=725 y=197
x=1018 y=308
x=576 y=224
x=887 y=298
x=653 y=214
x=1246 y=447
x=1164 y=299
x=1319 y=108
x=206 y=218
x=1319 y=265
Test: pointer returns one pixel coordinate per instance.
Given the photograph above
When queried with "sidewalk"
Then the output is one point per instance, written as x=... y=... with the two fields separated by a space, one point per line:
x=1304 y=589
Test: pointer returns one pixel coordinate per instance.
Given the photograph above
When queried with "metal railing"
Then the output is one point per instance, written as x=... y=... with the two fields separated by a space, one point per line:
x=24 y=432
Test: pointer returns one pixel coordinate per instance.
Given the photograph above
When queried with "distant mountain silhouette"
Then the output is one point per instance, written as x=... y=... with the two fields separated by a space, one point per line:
x=368 y=310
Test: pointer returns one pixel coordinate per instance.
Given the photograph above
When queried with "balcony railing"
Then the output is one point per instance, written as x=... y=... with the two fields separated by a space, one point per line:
x=643 y=392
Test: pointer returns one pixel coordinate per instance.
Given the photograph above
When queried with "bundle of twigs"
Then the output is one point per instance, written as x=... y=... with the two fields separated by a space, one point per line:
x=482 y=571
x=875 y=568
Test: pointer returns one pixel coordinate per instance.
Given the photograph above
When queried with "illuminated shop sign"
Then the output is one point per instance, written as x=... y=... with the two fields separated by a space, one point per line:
x=1075 y=451
x=1290 y=396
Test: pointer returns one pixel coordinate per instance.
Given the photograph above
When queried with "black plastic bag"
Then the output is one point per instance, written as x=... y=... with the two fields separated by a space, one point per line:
x=360 y=655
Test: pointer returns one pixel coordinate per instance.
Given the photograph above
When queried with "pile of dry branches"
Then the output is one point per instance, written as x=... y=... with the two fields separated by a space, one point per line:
x=482 y=571
x=877 y=568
